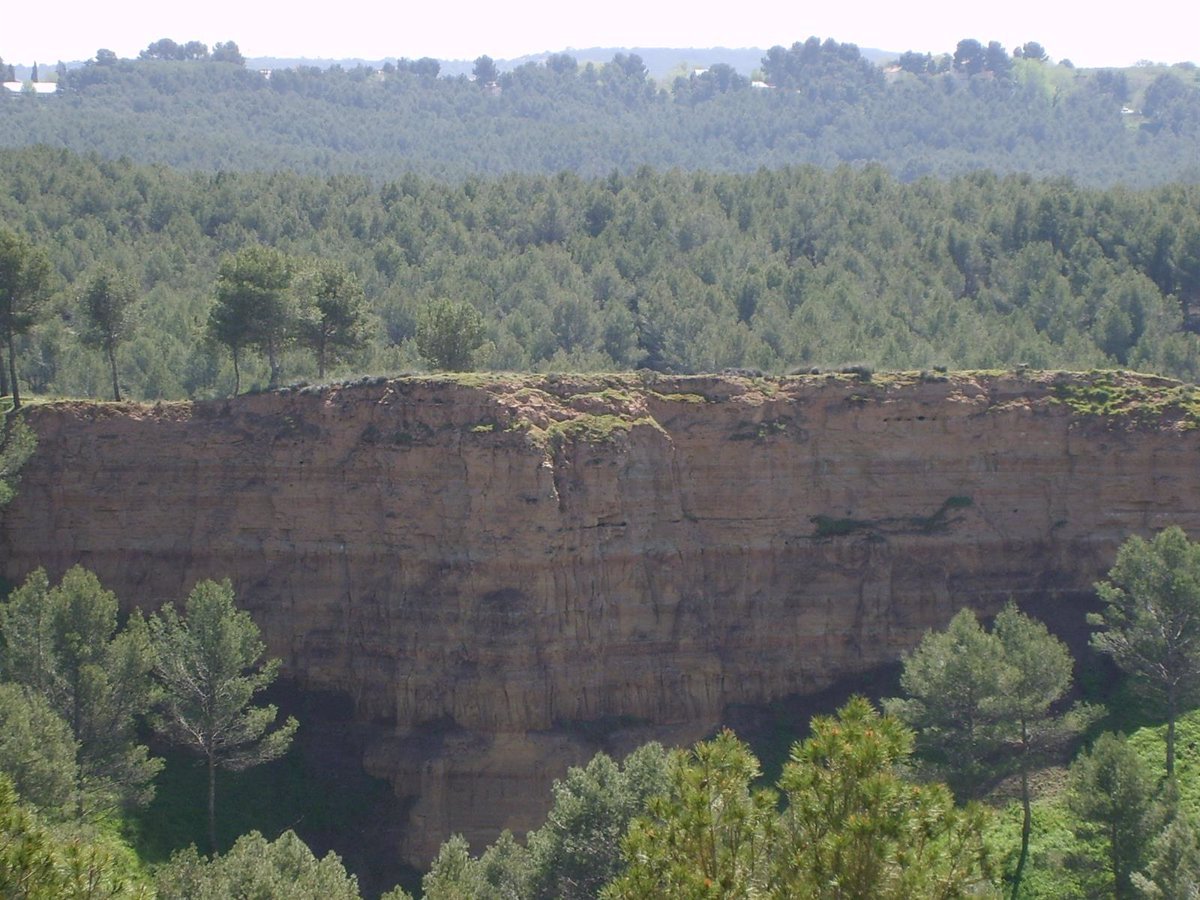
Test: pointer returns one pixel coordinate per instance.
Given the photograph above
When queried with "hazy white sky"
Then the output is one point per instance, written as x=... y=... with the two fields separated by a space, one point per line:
x=1159 y=30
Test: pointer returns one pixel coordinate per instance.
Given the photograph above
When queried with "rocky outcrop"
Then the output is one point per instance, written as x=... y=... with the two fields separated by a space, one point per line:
x=499 y=572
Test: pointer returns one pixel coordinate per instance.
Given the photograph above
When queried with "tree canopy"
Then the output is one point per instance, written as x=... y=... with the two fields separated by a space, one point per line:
x=17 y=443
x=62 y=643
x=39 y=863
x=210 y=662
x=282 y=869
x=106 y=304
x=24 y=273
x=678 y=272
x=1150 y=624
x=37 y=750
x=986 y=705
x=333 y=313
x=852 y=827
x=252 y=308
x=448 y=334
x=1114 y=796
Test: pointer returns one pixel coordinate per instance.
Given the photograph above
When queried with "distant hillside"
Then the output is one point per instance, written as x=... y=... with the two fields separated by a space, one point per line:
x=826 y=104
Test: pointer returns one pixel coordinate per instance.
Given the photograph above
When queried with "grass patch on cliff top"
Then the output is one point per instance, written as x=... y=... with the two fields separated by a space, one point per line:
x=1143 y=400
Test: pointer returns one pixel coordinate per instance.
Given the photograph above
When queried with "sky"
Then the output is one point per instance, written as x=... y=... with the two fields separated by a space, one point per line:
x=70 y=30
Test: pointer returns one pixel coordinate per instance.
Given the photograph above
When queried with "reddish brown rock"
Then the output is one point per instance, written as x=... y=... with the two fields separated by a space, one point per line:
x=497 y=569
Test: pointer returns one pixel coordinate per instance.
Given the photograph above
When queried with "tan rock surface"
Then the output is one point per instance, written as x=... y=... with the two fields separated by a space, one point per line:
x=496 y=569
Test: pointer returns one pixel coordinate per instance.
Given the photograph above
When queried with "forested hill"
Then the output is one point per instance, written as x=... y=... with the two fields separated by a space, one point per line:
x=676 y=271
x=825 y=105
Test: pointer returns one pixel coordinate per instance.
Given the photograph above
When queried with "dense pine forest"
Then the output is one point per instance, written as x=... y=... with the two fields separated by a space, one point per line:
x=672 y=271
x=185 y=226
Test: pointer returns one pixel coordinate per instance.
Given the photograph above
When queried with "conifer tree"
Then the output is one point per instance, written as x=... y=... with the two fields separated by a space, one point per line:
x=1151 y=620
x=24 y=274
x=986 y=705
x=106 y=304
x=210 y=663
x=62 y=642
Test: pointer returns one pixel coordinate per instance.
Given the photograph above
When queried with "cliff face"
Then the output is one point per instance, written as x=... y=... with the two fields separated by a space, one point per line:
x=496 y=571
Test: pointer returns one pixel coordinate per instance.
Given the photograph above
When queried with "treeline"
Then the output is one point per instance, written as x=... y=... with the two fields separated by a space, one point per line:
x=672 y=271
x=825 y=105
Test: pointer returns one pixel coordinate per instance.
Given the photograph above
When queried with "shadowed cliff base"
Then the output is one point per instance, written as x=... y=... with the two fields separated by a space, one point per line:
x=318 y=789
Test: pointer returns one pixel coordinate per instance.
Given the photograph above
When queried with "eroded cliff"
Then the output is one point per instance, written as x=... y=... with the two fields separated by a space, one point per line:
x=498 y=570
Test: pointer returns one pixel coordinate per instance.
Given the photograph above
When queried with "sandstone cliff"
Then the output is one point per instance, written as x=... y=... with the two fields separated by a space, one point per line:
x=498 y=570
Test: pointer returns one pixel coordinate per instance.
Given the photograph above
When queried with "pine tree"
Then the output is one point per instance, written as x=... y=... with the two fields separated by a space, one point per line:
x=210 y=663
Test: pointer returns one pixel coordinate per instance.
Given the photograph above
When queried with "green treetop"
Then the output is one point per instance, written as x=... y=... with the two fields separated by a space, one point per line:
x=333 y=312
x=63 y=643
x=252 y=308
x=852 y=826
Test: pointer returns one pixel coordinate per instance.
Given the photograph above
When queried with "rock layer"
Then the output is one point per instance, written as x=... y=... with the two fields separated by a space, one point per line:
x=500 y=572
